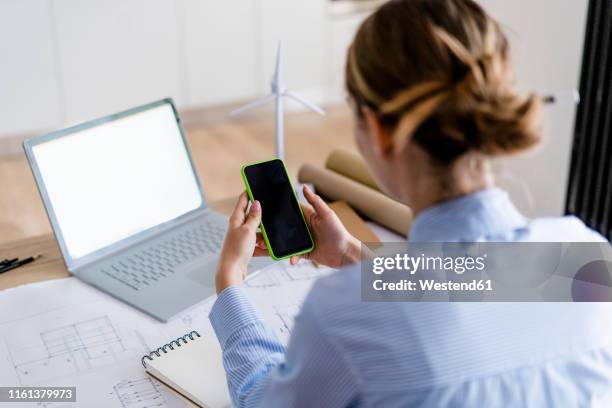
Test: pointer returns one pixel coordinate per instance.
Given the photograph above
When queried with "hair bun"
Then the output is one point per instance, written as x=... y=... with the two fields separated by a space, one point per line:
x=508 y=125
x=493 y=118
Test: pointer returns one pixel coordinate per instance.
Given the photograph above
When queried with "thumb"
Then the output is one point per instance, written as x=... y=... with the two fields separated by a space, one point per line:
x=254 y=217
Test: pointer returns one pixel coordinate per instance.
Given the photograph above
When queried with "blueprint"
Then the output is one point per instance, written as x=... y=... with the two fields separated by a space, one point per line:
x=67 y=333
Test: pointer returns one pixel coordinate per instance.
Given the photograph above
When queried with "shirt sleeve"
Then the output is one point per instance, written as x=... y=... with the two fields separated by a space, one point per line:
x=312 y=371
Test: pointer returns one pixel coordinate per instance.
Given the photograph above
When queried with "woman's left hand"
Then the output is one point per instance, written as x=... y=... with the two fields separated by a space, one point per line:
x=240 y=244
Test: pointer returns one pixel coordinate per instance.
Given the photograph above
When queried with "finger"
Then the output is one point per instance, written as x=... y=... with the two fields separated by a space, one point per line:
x=317 y=202
x=254 y=216
x=307 y=210
x=295 y=259
x=309 y=214
x=260 y=252
x=261 y=244
x=237 y=217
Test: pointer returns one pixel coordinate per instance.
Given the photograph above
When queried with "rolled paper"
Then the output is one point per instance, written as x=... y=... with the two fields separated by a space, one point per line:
x=366 y=201
x=353 y=222
x=351 y=164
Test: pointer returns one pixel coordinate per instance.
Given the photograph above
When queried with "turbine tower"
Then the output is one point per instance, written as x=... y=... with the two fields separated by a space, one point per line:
x=277 y=92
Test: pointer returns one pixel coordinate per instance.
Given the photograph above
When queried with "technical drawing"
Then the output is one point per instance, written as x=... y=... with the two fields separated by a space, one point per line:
x=304 y=271
x=263 y=279
x=91 y=341
x=187 y=319
x=286 y=315
x=141 y=393
x=71 y=349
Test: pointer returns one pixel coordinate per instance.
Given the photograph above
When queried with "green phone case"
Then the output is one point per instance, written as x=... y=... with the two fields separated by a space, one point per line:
x=263 y=229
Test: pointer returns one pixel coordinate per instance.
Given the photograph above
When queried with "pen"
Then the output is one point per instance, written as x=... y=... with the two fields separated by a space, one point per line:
x=17 y=263
x=6 y=262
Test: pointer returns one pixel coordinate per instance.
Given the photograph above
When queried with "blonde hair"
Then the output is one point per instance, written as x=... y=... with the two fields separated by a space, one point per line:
x=439 y=73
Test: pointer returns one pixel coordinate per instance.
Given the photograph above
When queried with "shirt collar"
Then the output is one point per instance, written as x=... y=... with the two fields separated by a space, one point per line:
x=478 y=216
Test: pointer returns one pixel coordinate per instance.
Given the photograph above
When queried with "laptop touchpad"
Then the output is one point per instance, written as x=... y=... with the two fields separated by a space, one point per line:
x=204 y=274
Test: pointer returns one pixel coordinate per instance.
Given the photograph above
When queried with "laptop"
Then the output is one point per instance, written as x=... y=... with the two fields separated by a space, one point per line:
x=127 y=210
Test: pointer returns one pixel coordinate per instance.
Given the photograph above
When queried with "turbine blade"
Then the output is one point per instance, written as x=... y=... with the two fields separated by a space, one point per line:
x=279 y=66
x=304 y=102
x=257 y=102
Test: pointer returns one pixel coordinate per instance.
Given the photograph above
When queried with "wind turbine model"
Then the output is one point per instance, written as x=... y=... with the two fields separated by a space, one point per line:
x=278 y=91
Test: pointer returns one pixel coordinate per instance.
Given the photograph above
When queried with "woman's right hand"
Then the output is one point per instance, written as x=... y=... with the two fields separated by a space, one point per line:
x=334 y=245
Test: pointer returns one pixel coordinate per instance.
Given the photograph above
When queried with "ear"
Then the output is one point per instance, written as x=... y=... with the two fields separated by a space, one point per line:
x=381 y=135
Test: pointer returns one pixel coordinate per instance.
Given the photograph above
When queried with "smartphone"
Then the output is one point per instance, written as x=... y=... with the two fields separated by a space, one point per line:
x=283 y=226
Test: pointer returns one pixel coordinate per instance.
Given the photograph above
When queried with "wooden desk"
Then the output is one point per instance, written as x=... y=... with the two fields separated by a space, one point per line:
x=51 y=265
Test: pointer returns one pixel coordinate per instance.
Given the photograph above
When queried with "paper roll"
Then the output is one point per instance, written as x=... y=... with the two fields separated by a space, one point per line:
x=366 y=201
x=351 y=165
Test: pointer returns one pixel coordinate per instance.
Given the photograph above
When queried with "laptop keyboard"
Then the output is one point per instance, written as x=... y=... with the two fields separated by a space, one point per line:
x=150 y=265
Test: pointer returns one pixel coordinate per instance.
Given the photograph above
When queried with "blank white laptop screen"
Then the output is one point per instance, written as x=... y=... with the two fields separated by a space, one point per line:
x=114 y=180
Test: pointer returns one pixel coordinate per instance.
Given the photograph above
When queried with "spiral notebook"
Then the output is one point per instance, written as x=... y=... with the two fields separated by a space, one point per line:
x=193 y=367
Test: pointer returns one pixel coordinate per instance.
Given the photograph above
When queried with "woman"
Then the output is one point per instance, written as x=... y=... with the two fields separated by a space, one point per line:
x=430 y=82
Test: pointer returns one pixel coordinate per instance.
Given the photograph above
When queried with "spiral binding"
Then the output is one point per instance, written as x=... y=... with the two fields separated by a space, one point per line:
x=170 y=346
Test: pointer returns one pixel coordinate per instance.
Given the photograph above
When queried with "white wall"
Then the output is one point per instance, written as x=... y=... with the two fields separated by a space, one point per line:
x=546 y=38
x=341 y=32
x=220 y=50
x=115 y=54
x=28 y=73
x=63 y=61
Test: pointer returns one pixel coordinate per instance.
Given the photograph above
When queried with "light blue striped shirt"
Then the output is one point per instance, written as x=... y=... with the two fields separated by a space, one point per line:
x=345 y=352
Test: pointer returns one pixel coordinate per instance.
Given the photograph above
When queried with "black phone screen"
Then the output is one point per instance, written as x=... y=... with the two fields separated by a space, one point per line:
x=281 y=216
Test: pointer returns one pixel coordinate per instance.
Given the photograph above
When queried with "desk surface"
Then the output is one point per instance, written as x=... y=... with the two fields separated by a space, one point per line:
x=51 y=265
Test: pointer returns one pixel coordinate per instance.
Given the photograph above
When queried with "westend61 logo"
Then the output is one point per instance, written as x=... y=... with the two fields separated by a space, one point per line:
x=412 y=264
x=487 y=272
